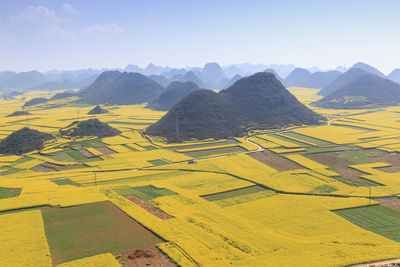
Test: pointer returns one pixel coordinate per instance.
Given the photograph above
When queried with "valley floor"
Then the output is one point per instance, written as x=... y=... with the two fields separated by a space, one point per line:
x=305 y=196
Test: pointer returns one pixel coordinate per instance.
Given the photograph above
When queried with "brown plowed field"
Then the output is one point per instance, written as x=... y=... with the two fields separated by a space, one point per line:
x=149 y=208
x=392 y=202
x=337 y=165
x=273 y=160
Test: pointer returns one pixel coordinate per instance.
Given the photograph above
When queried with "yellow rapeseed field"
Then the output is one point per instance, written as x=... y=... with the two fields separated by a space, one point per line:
x=247 y=208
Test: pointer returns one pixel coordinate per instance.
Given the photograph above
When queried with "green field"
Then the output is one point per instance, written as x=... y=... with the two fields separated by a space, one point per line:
x=323 y=189
x=205 y=144
x=149 y=147
x=378 y=219
x=306 y=138
x=76 y=155
x=318 y=149
x=234 y=193
x=63 y=181
x=92 y=229
x=217 y=151
x=359 y=156
x=158 y=162
x=63 y=156
x=145 y=193
x=90 y=143
x=9 y=192
x=128 y=147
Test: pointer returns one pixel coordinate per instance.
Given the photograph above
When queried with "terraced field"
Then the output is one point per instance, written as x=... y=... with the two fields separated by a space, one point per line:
x=91 y=229
x=378 y=219
x=274 y=198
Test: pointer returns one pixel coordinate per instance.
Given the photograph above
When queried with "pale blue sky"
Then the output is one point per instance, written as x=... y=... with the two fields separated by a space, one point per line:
x=73 y=34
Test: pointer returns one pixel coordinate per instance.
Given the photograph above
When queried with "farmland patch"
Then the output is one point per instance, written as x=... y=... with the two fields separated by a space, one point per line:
x=390 y=202
x=9 y=192
x=275 y=161
x=63 y=181
x=146 y=193
x=309 y=139
x=376 y=218
x=233 y=193
x=360 y=156
x=339 y=165
x=91 y=229
x=216 y=151
x=149 y=208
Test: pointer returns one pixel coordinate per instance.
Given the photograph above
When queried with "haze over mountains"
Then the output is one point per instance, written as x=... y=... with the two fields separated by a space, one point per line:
x=175 y=91
x=34 y=80
x=366 y=90
x=163 y=87
x=210 y=76
x=126 y=88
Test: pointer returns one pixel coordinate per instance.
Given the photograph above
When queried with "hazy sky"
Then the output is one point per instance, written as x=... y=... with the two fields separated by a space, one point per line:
x=73 y=34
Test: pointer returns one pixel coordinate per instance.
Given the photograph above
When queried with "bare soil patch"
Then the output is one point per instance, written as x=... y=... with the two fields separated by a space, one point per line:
x=105 y=150
x=385 y=263
x=392 y=202
x=273 y=160
x=336 y=164
x=149 y=208
x=86 y=153
x=392 y=158
x=41 y=168
x=60 y=167
x=142 y=257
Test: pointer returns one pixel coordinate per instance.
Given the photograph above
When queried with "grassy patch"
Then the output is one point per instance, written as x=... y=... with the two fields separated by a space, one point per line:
x=356 y=183
x=216 y=151
x=149 y=147
x=359 y=156
x=11 y=170
x=234 y=193
x=9 y=192
x=86 y=230
x=146 y=193
x=22 y=160
x=76 y=155
x=205 y=144
x=323 y=189
x=378 y=219
x=158 y=162
x=318 y=149
x=62 y=156
x=128 y=147
x=244 y=198
x=63 y=181
x=89 y=143
x=290 y=140
x=306 y=138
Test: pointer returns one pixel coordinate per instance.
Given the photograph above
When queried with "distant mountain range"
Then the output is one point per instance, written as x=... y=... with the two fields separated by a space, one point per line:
x=394 y=76
x=297 y=77
x=367 y=68
x=175 y=91
x=255 y=102
x=210 y=76
x=126 y=88
x=342 y=80
x=363 y=91
x=34 y=80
